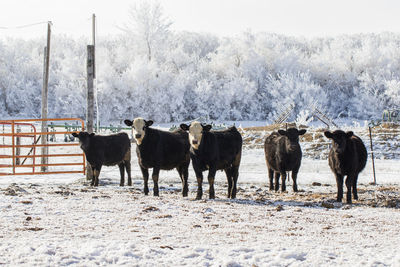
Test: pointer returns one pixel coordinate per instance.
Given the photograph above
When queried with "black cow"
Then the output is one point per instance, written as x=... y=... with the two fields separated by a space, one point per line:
x=160 y=150
x=106 y=150
x=282 y=154
x=214 y=150
x=347 y=156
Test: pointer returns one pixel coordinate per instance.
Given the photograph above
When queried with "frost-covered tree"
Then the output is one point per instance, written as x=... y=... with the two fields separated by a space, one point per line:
x=149 y=26
x=247 y=77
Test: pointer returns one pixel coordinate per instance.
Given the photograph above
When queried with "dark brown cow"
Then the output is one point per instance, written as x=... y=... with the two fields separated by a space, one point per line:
x=106 y=150
x=282 y=154
x=160 y=150
x=348 y=156
x=212 y=151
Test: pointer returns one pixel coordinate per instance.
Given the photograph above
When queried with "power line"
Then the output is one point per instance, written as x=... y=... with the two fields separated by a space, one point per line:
x=25 y=26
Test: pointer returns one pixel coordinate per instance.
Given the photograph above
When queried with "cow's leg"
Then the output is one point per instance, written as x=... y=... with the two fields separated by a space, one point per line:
x=93 y=179
x=349 y=184
x=271 y=179
x=122 y=173
x=277 y=175
x=355 y=195
x=184 y=177
x=199 y=177
x=179 y=169
x=145 y=173
x=228 y=172
x=294 y=178
x=235 y=175
x=211 y=178
x=128 y=171
x=283 y=176
x=339 y=184
x=96 y=173
x=156 y=172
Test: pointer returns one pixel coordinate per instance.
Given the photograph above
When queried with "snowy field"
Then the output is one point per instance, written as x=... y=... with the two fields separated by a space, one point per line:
x=59 y=220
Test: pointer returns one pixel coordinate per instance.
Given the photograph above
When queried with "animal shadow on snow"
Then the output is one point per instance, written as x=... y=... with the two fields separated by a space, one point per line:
x=270 y=202
x=262 y=196
x=265 y=197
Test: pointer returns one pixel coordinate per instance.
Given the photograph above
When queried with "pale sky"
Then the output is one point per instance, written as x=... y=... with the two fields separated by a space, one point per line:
x=223 y=17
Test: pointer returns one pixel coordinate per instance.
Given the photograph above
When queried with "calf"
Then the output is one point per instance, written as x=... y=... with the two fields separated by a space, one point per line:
x=347 y=156
x=214 y=150
x=282 y=154
x=160 y=150
x=106 y=150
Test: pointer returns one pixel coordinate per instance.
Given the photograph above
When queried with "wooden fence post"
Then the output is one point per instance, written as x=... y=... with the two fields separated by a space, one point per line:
x=17 y=148
x=90 y=100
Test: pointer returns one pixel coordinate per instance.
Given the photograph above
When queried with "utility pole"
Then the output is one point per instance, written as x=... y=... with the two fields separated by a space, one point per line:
x=45 y=90
x=94 y=44
x=90 y=91
x=91 y=75
x=90 y=100
x=94 y=32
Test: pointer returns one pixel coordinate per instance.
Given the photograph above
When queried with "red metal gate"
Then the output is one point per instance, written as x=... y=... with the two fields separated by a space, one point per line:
x=19 y=142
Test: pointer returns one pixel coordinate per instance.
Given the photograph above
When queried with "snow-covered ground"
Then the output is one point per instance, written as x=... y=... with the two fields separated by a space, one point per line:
x=59 y=220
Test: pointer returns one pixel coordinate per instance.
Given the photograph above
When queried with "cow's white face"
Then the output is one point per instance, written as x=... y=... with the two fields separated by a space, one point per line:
x=195 y=134
x=138 y=130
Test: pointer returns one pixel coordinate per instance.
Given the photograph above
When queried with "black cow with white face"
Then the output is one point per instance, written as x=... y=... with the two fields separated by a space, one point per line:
x=283 y=154
x=160 y=150
x=212 y=151
x=348 y=156
x=106 y=150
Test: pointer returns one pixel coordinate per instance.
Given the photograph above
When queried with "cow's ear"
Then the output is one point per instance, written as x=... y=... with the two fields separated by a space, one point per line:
x=302 y=131
x=328 y=134
x=74 y=134
x=349 y=134
x=184 y=127
x=148 y=123
x=128 y=122
x=282 y=132
x=206 y=128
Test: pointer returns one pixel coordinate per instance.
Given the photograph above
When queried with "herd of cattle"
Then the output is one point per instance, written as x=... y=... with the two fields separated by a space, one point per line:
x=216 y=150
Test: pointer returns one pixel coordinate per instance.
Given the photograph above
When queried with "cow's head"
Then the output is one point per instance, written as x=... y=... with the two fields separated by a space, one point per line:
x=292 y=135
x=84 y=139
x=196 y=130
x=139 y=126
x=339 y=140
